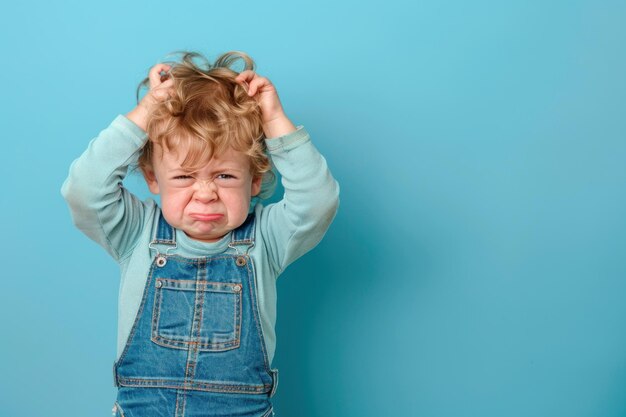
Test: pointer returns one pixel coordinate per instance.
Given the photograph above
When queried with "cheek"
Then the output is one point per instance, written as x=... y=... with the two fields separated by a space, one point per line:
x=174 y=201
x=238 y=203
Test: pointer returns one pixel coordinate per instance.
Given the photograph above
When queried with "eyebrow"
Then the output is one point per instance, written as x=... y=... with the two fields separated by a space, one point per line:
x=216 y=169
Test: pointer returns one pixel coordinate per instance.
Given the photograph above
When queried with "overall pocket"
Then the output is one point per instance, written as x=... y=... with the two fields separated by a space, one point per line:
x=204 y=314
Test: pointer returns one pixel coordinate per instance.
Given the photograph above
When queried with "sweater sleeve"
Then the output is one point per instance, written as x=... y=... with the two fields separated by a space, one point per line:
x=297 y=223
x=99 y=204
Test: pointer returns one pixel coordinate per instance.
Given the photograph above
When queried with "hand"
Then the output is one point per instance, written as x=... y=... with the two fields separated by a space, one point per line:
x=160 y=87
x=275 y=122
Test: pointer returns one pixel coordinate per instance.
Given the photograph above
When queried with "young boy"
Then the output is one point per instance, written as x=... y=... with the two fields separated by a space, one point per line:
x=197 y=301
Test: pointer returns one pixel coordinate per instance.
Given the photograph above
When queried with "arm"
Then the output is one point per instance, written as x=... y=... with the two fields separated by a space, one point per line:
x=100 y=206
x=298 y=222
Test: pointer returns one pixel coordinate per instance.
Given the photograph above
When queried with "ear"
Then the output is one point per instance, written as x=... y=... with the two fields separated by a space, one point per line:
x=151 y=180
x=256 y=185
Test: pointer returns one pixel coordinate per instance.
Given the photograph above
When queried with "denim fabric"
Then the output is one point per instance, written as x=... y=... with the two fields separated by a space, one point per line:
x=196 y=348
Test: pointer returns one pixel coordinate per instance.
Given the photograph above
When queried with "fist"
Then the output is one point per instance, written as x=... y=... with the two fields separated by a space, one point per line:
x=264 y=93
x=160 y=85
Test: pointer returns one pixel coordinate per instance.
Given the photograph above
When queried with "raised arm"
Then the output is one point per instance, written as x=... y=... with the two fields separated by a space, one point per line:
x=298 y=222
x=100 y=206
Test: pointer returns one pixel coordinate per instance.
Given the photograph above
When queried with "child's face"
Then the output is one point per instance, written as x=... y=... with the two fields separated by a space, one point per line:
x=208 y=203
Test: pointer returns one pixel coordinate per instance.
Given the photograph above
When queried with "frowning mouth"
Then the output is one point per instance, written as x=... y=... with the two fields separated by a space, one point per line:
x=205 y=217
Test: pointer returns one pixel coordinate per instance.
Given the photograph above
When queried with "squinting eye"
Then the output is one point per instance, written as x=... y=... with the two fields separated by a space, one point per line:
x=183 y=177
x=225 y=177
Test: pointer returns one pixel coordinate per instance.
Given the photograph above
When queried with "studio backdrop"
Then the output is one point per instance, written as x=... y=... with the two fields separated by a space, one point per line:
x=477 y=265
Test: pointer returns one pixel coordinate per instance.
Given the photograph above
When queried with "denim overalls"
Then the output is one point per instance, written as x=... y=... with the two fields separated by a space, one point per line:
x=196 y=348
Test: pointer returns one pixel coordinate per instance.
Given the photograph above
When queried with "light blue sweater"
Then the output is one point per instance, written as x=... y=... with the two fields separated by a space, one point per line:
x=117 y=220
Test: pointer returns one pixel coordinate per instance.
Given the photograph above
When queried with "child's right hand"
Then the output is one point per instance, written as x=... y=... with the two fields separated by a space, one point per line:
x=160 y=86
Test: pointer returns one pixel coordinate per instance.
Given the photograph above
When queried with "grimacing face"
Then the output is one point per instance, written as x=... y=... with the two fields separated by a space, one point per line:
x=208 y=203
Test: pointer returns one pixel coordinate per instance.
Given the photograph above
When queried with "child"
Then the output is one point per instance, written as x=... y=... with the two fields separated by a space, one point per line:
x=197 y=300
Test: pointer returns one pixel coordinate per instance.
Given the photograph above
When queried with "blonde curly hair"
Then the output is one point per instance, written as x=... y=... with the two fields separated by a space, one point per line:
x=207 y=113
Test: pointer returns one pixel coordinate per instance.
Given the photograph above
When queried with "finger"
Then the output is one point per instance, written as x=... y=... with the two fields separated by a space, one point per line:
x=247 y=78
x=246 y=75
x=165 y=85
x=164 y=90
x=257 y=84
x=155 y=74
x=245 y=85
x=243 y=79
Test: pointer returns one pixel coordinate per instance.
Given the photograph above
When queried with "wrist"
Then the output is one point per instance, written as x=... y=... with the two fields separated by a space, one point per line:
x=139 y=116
x=278 y=126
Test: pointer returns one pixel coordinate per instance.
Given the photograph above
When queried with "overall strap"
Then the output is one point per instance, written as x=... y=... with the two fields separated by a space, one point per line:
x=164 y=234
x=244 y=234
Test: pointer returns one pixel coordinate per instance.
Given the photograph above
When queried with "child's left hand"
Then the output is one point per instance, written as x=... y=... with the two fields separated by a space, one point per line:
x=264 y=92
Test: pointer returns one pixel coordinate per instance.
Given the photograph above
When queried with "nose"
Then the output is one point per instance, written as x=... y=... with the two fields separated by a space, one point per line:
x=205 y=191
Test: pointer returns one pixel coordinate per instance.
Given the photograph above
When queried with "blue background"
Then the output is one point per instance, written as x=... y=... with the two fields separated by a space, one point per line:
x=476 y=266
